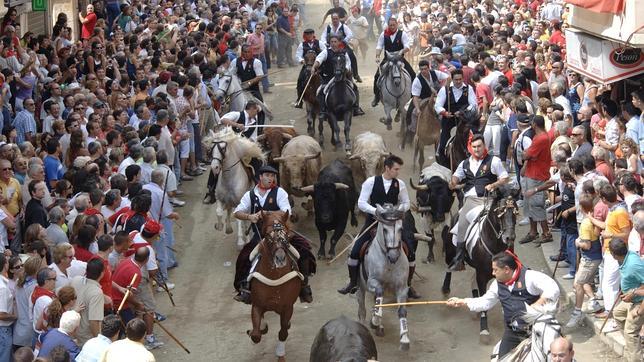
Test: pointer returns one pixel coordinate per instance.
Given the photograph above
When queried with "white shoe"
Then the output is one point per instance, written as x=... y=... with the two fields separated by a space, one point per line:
x=177 y=202
x=575 y=320
x=593 y=306
x=168 y=284
x=525 y=221
x=568 y=276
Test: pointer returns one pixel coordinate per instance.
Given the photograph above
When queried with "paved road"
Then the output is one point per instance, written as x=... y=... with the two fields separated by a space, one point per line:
x=213 y=326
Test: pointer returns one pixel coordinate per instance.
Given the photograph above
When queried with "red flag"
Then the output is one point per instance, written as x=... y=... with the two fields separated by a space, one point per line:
x=600 y=6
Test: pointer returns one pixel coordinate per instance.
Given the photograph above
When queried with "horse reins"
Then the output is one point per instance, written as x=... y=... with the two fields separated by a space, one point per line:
x=222 y=150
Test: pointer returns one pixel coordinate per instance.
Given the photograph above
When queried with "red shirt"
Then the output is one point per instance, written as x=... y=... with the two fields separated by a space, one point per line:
x=106 y=281
x=605 y=170
x=557 y=38
x=123 y=276
x=538 y=167
x=88 y=28
x=83 y=254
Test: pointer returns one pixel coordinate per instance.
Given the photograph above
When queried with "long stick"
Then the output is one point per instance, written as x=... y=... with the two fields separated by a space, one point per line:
x=352 y=242
x=305 y=87
x=610 y=313
x=411 y=303
x=269 y=125
x=127 y=293
x=171 y=335
x=160 y=279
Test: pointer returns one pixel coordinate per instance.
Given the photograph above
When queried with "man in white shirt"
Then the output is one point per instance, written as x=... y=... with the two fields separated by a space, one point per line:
x=8 y=312
x=94 y=348
x=249 y=70
x=457 y=97
x=557 y=93
x=481 y=173
x=240 y=121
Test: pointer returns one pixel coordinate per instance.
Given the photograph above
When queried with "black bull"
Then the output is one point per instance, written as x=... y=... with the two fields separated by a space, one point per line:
x=342 y=339
x=435 y=200
x=334 y=197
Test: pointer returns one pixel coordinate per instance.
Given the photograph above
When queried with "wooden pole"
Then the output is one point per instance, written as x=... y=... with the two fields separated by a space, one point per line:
x=171 y=335
x=610 y=313
x=352 y=242
x=127 y=293
x=305 y=87
x=427 y=302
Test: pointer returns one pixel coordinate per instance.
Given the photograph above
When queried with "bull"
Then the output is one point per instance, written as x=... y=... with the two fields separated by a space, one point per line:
x=299 y=166
x=367 y=155
x=434 y=202
x=342 y=339
x=334 y=197
x=273 y=139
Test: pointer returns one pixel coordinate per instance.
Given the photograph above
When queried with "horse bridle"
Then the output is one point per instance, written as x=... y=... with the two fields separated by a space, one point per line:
x=386 y=248
x=222 y=151
x=279 y=235
x=551 y=321
x=233 y=94
x=399 y=76
x=486 y=210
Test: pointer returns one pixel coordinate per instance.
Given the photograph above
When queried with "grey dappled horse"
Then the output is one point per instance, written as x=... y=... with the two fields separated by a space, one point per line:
x=395 y=87
x=385 y=267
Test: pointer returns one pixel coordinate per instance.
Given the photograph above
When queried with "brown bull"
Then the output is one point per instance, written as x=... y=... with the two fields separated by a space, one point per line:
x=274 y=139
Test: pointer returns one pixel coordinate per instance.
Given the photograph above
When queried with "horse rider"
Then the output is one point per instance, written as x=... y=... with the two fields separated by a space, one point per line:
x=265 y=196
x=515 y=286
x=249 y=70
x=453 y=98
x=324 y=62
x=238 y=121
x=426 y=84
x=309 y=44
x=392 y=40
x=376 y=190
x=344 y=33
x=481 y=173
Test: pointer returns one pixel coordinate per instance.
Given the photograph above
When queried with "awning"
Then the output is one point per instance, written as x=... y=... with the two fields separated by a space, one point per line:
x=600 y=6
x=602 y=60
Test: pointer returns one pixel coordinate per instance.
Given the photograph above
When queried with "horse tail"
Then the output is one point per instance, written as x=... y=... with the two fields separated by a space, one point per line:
x=448 y=247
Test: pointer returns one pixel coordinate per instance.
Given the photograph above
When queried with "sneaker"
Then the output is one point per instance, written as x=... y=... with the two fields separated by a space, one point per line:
x=162 y=289
x=524 y=221
x=151 y=342
x=159 y=317
x=177 y=202
x=576 y=320
x=187 y=178
x=568 y=276
x=201 y=168
x=558 y=257
x=593 y=306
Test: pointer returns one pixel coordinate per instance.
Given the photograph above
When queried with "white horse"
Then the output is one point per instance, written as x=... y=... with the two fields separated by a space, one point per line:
x=386 y=268
x=545 y=329
x=395 y=87
x=230 y=153
x=230 y=86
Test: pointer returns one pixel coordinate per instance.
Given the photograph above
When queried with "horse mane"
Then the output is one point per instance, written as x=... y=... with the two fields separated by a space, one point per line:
x=366 y=139
x=242 y=145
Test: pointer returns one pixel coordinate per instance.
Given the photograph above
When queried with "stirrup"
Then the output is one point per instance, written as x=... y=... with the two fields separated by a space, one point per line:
x=243 y=296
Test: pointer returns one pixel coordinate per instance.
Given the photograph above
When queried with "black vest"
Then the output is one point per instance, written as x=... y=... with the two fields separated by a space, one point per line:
x=242 y=120
x=483 y=177
x=340 y=33
x=513 y=302
x=306 y=47
x=326 y=68
x=247 y=73
x=396 y=44
x=270 y=204
x=378 y=194
x=451 y=105
x=425 y=90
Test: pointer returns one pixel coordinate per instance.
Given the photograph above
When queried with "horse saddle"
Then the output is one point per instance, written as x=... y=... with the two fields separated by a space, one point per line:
x=473 y=230
x=365 y=249
x=326 y=88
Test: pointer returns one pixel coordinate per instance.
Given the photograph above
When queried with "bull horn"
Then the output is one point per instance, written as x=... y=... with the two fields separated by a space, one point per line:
x=261 y=137
x=287 y=136
x=310 y=157
x=341 y=186
x=307 y=189
x=385 y=154
x=354 y=156
x=417 y=187
x=279 y=159
x=422 y=237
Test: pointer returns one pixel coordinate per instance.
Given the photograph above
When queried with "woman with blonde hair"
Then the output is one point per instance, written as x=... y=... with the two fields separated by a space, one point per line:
x=631 y=152
x=66 y=301
x=23 y=327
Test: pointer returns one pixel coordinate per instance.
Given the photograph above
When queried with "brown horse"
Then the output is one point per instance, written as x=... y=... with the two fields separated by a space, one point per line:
x=310 y=97
x=276 y=281
x=427 y=131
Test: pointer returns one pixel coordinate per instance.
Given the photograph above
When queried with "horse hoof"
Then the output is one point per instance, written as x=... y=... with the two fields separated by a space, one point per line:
x=229 y=230
x=485 y=338
x=380 y=332
x=240 y=245
x=446 y=292
x=373 y=326
x=331 y=255
x=404 y=346
x=281 y=359
x=219 y=226
x=321 y=255
x=265 y=330
x=389 y=128
x=253 y=337
x=430 y=259
x=310 y=131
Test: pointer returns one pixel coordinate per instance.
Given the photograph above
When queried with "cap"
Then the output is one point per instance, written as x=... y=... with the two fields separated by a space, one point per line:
x=164 y=76
x=81 y=161
x=267 y=168
x=98 y=104
x=73 y=86
x=309 y=31
x=435 y=51
x=523 y=118
x=152 y=227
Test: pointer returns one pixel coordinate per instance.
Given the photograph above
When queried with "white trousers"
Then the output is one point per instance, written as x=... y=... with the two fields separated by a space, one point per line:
x=492 y=136
x=610 y=280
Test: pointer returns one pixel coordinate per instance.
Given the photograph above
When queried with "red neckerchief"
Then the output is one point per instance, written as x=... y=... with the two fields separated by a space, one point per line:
x=517 y=272
x=264 y=189
x=39 y=292
x=389 y=32
x=308 y=38
x=469 y=149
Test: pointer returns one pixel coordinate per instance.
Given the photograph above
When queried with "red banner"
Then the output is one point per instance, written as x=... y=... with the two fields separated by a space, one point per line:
x=600 y=6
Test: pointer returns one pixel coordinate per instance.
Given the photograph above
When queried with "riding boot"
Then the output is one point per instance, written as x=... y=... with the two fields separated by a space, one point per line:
x=357 y=111
x=212 y=184
x=244 y=293
x=306 y=295
x=411 y=293
x=352 y=287
x=458 y=261
x=376 y=98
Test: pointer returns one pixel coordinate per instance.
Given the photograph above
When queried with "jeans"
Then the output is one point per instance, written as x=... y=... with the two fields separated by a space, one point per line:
x=571 y=249
x=505 y=143
x=262 y=59
x=196 y=134
x=177 y=164
x=270 y=45
x=284 y=49
x=6 y=341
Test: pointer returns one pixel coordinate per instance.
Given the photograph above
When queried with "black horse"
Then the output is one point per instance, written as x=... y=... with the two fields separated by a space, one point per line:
x=456 y=150
x=495 y=225
x=339 y=100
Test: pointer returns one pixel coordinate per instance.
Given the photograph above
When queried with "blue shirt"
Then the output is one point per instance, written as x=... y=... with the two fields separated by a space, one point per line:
x=282 y=23
x=53 y=170
x=635 y=131
x=54 y=338
x=93 y=349
x=24 y=123
x=632 y=274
